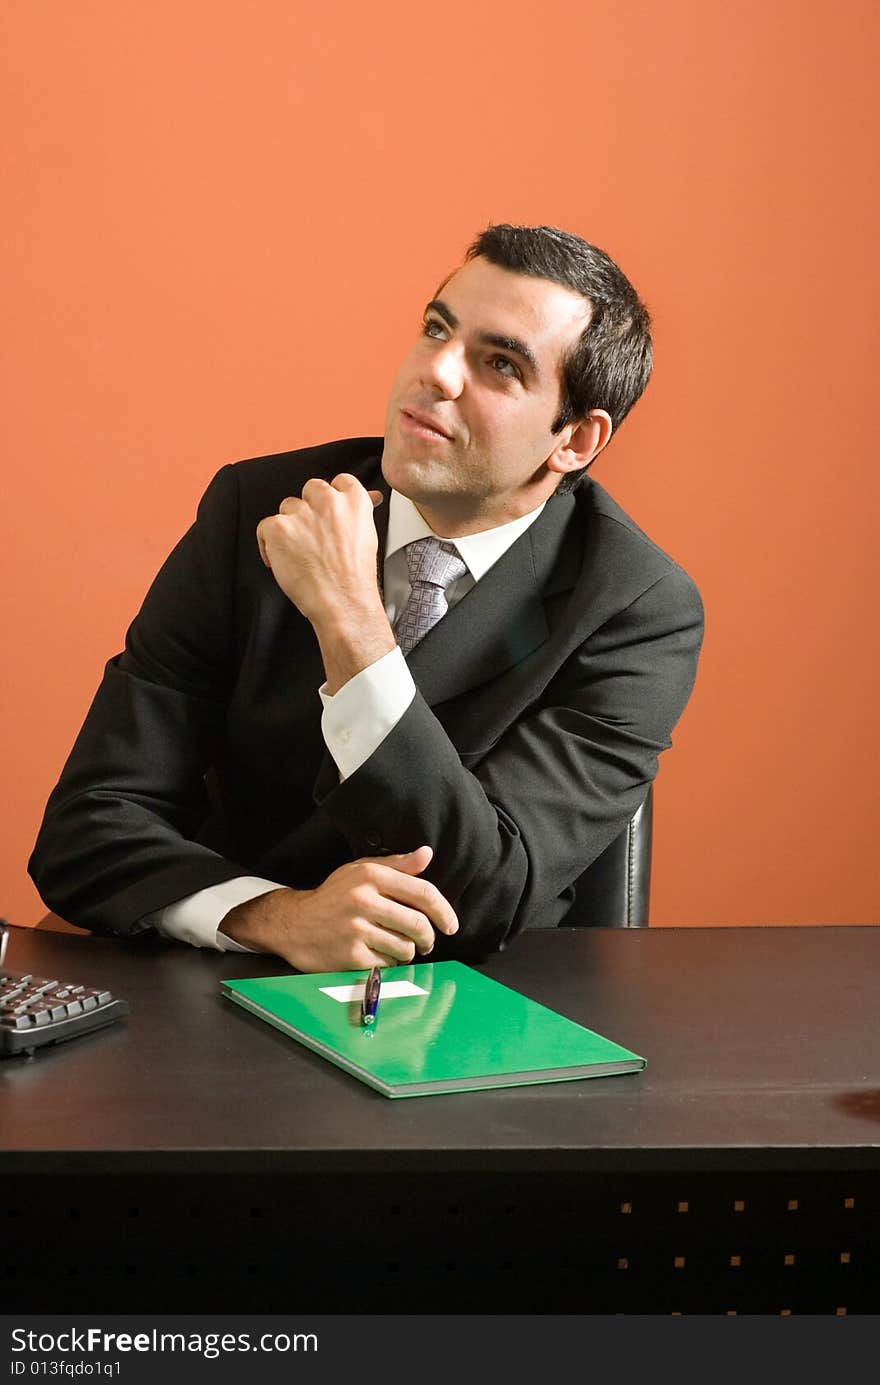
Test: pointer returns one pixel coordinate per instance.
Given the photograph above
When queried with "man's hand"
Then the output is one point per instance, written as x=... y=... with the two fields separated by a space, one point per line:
x=371 y=912
x=321 y=550
x=322 y=547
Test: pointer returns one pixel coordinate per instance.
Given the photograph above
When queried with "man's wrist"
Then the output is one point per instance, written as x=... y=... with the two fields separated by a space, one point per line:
x=352 y=639
x=251 y=923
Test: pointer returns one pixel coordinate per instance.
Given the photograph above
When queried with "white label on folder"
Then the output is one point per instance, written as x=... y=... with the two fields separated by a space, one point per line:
x=390 y=990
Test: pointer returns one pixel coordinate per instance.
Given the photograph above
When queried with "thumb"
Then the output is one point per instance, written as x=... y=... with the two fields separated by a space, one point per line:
x=410 y=862
x=377 y=497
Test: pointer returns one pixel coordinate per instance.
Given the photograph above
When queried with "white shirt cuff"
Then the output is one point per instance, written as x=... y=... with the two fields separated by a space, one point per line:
x=360 y=715
x=197 y=919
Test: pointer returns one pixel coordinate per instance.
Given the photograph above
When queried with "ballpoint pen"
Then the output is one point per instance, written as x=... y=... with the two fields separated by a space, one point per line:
x=370 y=1002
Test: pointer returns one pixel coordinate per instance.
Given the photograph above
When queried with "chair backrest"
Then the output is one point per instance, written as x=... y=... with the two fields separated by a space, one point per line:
x=614 y=892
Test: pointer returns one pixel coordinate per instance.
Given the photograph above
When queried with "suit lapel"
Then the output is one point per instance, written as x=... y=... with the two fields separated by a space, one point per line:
x=380 y=518
x=503 y=618
x=512 y=611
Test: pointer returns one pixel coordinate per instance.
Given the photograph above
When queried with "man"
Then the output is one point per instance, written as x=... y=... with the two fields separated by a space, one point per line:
x=387 y=702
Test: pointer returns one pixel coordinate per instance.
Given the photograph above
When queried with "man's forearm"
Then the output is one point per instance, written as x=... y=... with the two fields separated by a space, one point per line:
x=250 y=924
x=197 y=918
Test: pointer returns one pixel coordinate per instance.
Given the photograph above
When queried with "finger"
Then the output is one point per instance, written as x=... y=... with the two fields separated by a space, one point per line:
x=375 y=959
x=261 y=544
x=410 y=862
x=351 y=488
x=410 y=924
x=396 y=949
x=290 y=503
x=313 y=488
x=346 y=482
x=416 y=894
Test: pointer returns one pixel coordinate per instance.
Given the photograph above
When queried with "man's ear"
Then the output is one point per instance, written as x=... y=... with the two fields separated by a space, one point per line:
x=581 y=443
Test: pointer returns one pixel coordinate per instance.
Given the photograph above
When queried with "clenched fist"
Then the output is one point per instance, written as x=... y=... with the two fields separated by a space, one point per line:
x=321 y=548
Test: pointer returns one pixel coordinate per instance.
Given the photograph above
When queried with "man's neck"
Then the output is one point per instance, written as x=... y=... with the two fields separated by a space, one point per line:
x=448 y=524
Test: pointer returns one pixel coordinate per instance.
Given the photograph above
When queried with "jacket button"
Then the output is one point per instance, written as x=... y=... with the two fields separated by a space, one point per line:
x=373 y=839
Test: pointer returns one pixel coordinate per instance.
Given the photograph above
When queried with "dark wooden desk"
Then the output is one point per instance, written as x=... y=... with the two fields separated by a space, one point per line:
x=194 y=1159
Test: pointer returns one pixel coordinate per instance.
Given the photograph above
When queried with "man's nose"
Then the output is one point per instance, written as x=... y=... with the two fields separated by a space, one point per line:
x=445 y=370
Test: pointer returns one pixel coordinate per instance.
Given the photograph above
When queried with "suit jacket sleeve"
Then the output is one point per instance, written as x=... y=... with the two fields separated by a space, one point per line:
x=115 y=843
x=515 y=826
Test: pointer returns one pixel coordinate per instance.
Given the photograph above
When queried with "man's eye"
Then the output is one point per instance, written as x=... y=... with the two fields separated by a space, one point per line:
x=432 y=328
x=504 y=366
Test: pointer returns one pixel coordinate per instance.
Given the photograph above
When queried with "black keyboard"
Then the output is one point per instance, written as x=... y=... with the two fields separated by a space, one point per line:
x=36 y=1010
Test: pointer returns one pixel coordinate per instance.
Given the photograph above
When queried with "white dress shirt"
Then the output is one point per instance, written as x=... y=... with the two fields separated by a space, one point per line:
x=356 y=719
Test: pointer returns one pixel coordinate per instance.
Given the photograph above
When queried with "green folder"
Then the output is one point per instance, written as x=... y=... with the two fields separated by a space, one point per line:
x=441 y=1027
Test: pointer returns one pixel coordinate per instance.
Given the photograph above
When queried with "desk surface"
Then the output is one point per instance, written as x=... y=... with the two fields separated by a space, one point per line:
x=763 y=1052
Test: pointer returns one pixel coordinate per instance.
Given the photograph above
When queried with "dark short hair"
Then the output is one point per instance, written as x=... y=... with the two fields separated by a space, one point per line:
x=610 y=364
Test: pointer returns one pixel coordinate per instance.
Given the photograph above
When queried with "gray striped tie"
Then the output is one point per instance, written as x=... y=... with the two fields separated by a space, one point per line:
x=433 y=566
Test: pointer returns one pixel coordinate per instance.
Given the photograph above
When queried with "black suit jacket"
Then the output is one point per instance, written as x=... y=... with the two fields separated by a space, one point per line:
x=544 y=699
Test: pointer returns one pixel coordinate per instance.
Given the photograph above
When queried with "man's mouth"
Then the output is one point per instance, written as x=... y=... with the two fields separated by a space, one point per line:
x=418 y=422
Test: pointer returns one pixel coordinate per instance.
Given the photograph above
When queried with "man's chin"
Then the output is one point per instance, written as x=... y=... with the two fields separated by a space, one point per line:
x=414 y=477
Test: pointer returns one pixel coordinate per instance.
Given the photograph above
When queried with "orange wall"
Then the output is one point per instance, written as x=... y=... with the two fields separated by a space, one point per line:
x=222 y=219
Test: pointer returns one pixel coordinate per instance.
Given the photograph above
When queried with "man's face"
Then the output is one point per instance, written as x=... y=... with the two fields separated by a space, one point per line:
x=467 y=432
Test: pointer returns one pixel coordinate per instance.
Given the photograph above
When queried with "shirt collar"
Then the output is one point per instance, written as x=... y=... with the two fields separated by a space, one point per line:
x=478 y=551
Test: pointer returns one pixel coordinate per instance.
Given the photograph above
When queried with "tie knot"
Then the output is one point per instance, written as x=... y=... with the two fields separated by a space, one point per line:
x=434 y=561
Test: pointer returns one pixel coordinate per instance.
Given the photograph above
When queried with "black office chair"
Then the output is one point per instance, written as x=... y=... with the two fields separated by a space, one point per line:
x=614 y=892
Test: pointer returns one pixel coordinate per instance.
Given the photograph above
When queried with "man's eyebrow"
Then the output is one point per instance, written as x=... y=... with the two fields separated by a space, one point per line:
x=443 y=310
x=513 y=344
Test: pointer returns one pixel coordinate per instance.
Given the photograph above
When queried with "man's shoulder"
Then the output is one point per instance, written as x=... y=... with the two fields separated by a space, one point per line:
x=623 y=544
x=611 y=525
x=288 y=471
